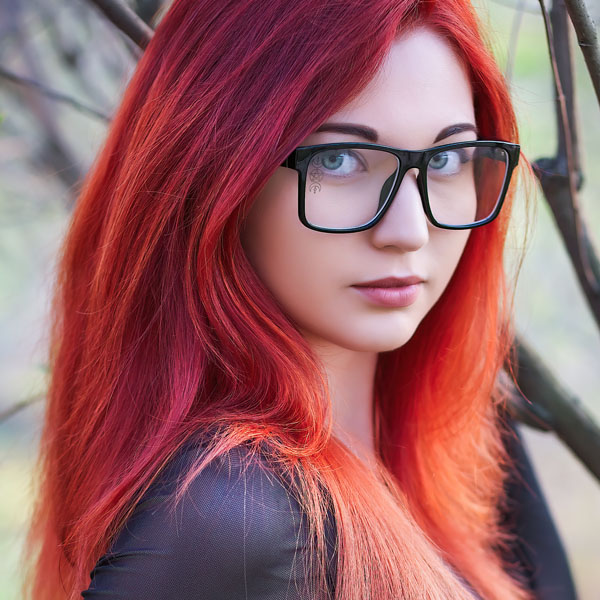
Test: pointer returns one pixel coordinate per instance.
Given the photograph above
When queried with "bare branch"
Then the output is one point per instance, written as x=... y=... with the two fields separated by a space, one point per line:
x=562 y=411
x=126 y=20
x=56 y=152
x=567 y=138
x=524 y=410
x=75 y=52
x=587 y=38
x=19 y=406
x=560 y=177
x=564 y=71
x=149 y=10
x=514 y=38
x=59 y=96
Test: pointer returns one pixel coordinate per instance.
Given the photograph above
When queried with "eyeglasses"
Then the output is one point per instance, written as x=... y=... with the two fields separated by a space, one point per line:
x=348 y=186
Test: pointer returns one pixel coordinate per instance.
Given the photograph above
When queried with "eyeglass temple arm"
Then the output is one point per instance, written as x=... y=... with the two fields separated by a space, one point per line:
x=288 y=161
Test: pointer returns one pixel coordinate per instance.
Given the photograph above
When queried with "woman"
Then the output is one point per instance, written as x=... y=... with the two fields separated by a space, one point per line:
x=239 y=406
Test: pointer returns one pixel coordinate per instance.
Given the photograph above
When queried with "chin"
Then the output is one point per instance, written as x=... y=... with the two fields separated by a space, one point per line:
x=384 y=345
x=374 y=341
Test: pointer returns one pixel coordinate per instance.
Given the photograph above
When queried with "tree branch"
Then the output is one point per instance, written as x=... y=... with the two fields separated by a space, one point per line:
x=56 y=152
x=126 y=20
x=549 y=405
x=514 y=38
x=59 y=96
x=587 y=38
x=19 y=406
x=560 y=177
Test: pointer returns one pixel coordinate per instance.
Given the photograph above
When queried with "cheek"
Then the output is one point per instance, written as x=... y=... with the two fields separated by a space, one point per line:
x=447 y=250
x=291 y=260
x=269 y=220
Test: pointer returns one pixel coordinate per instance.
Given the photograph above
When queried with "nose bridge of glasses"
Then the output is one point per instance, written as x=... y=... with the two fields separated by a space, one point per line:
x=392 y=184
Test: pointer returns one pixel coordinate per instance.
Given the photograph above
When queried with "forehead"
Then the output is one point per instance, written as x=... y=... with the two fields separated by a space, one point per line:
x=421 y=88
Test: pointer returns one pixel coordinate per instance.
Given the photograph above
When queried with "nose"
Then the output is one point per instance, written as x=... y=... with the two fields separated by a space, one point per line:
x=404 y=224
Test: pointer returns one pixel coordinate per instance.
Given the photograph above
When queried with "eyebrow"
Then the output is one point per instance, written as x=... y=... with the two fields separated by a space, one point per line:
x=371 y=134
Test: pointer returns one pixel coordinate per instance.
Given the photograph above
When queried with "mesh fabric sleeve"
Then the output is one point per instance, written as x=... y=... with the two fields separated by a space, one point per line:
x=237 y=534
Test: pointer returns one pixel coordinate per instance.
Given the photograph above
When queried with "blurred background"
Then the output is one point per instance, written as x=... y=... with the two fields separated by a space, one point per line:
x=47 y=145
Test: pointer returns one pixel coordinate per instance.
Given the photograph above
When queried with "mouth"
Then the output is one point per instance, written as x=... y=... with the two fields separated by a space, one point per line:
x=394 y=292
x=391 y=282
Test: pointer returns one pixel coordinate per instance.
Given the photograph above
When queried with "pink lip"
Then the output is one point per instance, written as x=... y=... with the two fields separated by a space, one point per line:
x=391 y=282
x=391 y=291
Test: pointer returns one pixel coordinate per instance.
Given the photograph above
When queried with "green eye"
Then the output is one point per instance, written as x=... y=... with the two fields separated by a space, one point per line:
x=333 y=161
x=448 y=163
x=439 y=161
x=339 y=163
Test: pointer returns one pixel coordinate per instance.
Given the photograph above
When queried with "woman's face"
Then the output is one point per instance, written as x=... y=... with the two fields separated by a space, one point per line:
x=421 y=90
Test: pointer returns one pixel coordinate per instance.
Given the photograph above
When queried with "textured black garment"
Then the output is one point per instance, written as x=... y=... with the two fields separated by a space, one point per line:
x=240 y=536
x=236 y=535
x=539 y=550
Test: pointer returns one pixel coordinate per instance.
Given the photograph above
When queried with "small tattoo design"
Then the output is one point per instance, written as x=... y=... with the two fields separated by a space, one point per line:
x=315 y=175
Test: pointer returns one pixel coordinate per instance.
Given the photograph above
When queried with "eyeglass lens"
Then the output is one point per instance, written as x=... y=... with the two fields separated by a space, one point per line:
x=346 y=187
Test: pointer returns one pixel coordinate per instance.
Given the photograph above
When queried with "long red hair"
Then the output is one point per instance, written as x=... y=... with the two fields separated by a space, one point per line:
x=160 y=327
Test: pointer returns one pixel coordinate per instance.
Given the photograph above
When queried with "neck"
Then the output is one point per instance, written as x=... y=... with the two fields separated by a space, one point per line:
x=351 y=377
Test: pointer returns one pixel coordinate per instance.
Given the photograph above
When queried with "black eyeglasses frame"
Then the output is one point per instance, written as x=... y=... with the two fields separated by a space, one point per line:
x=299 y=159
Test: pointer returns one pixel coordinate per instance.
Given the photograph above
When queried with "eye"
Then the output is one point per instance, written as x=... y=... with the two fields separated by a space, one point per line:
x=448 y=162
x=339 y=163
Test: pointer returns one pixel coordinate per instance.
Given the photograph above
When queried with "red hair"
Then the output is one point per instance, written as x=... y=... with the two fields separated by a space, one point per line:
x=161 y=327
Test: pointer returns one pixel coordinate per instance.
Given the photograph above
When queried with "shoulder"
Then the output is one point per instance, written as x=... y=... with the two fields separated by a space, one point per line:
x=236 y=533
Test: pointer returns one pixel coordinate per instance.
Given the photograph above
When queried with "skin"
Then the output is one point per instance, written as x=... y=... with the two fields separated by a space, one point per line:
x=421 y=89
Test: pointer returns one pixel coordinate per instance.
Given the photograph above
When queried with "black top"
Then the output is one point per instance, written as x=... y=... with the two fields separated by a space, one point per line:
x=240 y=536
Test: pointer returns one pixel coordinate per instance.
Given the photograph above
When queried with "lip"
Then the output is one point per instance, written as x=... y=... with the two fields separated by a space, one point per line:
x=392 y=292
x=391 y=282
